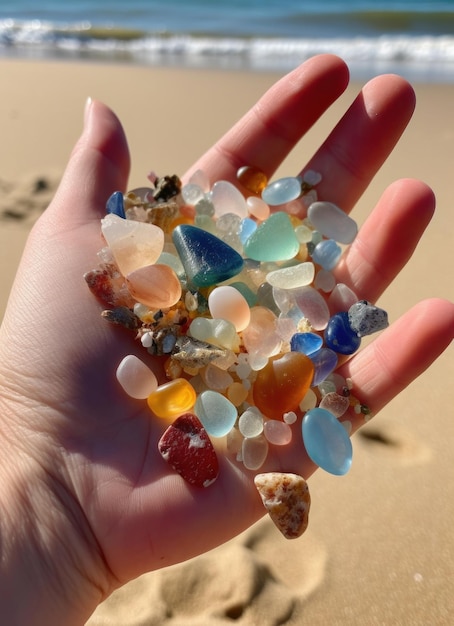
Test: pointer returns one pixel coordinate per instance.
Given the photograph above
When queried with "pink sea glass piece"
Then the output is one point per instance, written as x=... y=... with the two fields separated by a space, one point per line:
x=156 y=286
x=136 y=377
x=226 y=302
x=186 y=447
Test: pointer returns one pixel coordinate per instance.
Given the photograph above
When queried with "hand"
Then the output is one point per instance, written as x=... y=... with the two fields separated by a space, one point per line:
x=87 y=501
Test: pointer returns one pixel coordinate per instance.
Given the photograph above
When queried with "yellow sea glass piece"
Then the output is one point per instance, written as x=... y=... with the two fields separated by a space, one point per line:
x=172 y=399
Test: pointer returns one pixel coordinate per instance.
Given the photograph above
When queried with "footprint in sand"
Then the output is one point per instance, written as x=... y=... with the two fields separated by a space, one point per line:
x=257 y=578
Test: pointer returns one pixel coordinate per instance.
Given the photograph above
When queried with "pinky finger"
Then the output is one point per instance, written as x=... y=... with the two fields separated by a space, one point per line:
x=401 y=353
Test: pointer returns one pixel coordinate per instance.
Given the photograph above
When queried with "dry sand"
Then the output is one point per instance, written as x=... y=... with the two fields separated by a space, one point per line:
x=380 y=544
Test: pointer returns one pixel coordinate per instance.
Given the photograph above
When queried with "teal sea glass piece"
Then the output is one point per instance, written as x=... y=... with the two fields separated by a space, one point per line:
x=327 y=442
x=282 y=190
x=273 y=240
x=207 y=260
x=217 y=414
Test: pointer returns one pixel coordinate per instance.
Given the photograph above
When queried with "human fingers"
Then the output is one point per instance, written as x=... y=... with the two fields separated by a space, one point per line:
x=267 y=133
x=362 y=140
x=98 y=166
x=387 y=239
x=400 y=353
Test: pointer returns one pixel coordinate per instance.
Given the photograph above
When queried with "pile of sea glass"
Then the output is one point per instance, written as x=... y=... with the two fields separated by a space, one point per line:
x=237 y=295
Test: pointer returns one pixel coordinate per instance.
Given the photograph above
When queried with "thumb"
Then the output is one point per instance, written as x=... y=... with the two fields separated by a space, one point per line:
x=98 y=166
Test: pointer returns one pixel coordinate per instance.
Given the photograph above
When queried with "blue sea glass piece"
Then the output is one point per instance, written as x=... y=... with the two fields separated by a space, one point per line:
x=325 y=362
x=282 y=190
x=273 y=240
x=217 y=414
x=207 y=260
x=247 y=227
x=339 y=335
x=307 y=343
x=115 y=204
x=327 y=254
x=327 y=442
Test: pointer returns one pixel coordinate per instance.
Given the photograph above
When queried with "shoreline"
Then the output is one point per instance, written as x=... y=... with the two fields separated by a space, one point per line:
x=379 y=548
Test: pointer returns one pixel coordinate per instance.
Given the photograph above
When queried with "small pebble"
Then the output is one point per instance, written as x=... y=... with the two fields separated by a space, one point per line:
x=186 y=447
x=365 y=318
x=287 y=500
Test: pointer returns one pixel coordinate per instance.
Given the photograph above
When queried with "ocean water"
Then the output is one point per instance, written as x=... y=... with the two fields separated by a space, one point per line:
x=412 y=37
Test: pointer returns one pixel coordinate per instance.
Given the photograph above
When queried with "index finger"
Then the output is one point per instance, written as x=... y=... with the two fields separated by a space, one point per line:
x=265 y=135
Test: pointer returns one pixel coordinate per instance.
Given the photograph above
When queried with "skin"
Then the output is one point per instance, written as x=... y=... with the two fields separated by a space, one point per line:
x=87 y=502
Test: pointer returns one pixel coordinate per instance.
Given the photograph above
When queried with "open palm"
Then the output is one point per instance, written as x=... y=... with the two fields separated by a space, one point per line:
x=89 y=467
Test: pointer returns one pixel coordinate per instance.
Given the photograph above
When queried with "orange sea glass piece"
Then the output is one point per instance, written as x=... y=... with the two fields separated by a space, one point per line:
x=282 y=383
x=156 y=286
x=172 y=399
x=252 y=178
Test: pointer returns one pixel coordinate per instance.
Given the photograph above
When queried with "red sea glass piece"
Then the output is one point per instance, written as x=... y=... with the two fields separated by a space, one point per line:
x=186 y=447
x=282 y=384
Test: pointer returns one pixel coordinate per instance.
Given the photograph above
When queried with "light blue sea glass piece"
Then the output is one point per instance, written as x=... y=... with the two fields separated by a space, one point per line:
x=327 y=442
x=273 y=240
x=332 y=222
x=217 y=414
x=282 y=190
x=115 y=204
x=307 y=343
x=325 y=362
x=247 y=227
x=206 y=259
x=327 y=254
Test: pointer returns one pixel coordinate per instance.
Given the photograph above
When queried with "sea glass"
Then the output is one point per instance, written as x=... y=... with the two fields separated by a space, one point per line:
x=326 y=441
x=207 y=259
x=281 y=385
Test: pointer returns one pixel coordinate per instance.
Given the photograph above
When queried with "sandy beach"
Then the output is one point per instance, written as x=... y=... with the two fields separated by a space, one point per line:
x=380 y=545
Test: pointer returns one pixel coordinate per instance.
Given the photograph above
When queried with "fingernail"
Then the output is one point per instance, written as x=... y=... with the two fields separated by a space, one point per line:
x=87 y=110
